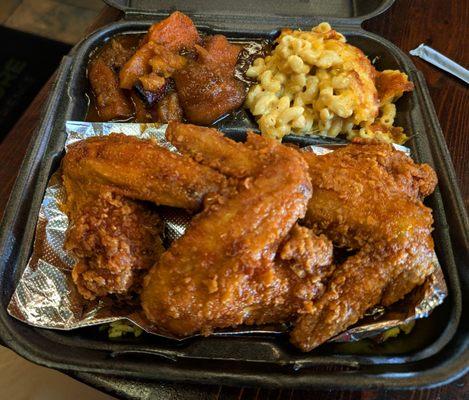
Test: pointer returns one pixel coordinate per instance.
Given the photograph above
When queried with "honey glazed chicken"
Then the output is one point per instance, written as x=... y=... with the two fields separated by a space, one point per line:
x=169 y=74
x=266 y=220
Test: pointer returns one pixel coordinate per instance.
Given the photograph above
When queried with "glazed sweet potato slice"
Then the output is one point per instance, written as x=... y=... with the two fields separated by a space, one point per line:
x=175 y=32
x=111 y=102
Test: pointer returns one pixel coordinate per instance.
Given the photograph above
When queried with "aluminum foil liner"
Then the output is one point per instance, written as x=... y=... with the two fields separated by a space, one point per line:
x=46 y=296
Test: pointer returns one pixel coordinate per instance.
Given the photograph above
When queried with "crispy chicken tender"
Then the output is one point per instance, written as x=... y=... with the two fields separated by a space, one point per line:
x=142 y=170
x=221 y=272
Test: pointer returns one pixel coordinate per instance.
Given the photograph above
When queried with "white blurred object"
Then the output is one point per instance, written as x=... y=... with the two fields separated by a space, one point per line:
x=439 y=60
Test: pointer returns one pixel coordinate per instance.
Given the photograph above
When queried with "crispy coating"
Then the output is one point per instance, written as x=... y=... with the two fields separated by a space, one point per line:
x=115 y=239
x=368 y=174
x=306 y=250
x=214 y=277
x=208 y=147
x=142 y=170
x=244 y=259
x=366 y=197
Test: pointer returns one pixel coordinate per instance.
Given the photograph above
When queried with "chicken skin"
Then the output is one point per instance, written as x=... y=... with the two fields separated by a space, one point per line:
x=114 y=237
x=115 y=240
x=366 y=197
x=261 y=249
x=364 y=200
x=141 y=170
x=221 y=272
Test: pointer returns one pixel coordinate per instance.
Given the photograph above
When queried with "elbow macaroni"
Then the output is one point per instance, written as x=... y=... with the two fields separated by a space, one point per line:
x=315 y=82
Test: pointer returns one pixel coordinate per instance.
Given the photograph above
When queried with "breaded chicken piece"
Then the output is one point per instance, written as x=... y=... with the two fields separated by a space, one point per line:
x=221 y=272
x=115 y=239
x=207 y=146
x=141 y=170
x=367 y=197
x=369 y=173
x=363 y=199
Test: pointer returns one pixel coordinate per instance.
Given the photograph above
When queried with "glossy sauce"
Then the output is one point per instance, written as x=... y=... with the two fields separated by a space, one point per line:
x=128 y=41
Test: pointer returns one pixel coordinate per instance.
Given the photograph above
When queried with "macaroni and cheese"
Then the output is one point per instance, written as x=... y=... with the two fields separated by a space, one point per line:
x=315 y=82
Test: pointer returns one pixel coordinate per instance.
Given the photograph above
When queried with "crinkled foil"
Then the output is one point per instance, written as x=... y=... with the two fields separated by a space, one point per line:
x=46 y=296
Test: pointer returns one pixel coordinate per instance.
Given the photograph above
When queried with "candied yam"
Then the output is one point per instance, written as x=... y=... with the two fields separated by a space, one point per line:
x=111 y=103
x=137 y=66
x=206 y=87
x=206 y=94
x=142 y=114
x=221 y=51
x=165 y=62
x=152 y=82
x=151 y=57
x=175 y=32
x=168 y=109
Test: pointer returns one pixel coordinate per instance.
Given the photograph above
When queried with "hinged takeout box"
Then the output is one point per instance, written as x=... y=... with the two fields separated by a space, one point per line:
x=436 y=350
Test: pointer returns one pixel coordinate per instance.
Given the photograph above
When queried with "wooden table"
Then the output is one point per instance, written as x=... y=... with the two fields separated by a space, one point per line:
x=440 y=23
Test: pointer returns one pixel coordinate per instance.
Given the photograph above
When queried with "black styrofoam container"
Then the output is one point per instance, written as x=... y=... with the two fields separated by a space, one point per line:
x=260 y=360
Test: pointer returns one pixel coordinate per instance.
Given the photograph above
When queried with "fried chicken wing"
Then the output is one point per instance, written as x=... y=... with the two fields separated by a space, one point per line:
x=142 y=170
x=363 y=199
x=207 y=146
x=366 y=197
x=245 y=259
x=221 y=272
x=115 y=239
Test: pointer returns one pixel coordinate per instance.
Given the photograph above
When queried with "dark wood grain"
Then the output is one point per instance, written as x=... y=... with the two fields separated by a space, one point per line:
x=440 y=23
x=444 y=26
x=14 y=146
